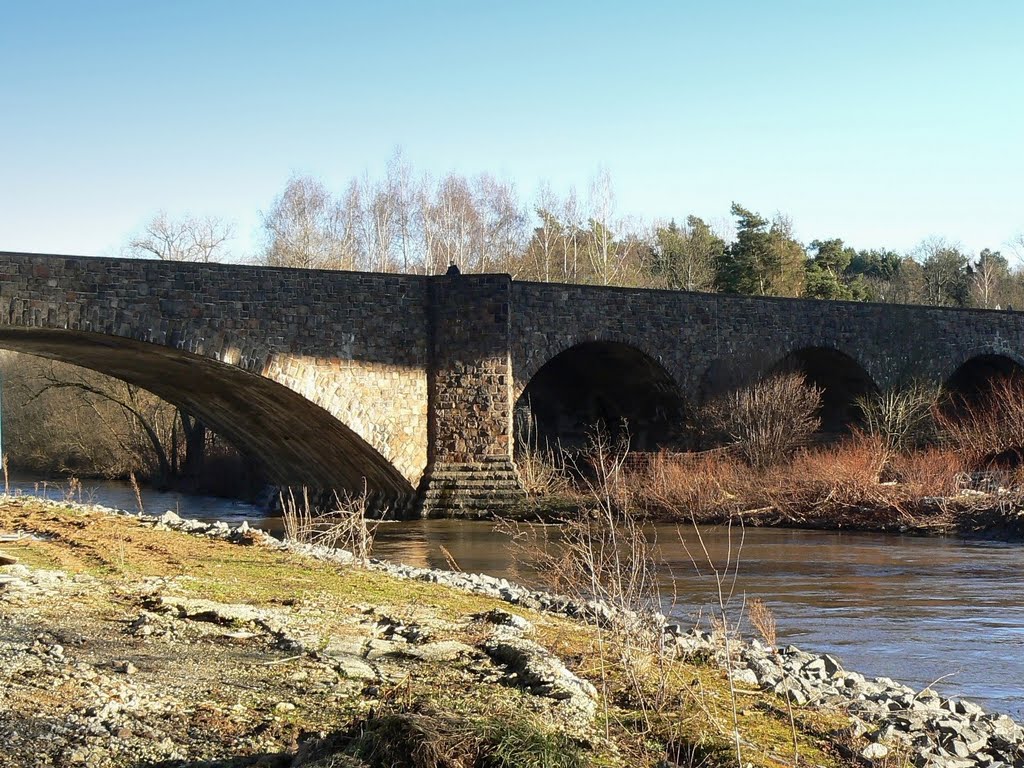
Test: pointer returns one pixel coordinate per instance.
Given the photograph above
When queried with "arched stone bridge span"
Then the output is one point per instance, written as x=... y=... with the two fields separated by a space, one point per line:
x=413 y=382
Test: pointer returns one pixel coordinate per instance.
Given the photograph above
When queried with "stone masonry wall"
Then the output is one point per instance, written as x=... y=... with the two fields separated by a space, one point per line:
x=412 y=380
x=354 y=344
x=693 y=334
x=471 y=381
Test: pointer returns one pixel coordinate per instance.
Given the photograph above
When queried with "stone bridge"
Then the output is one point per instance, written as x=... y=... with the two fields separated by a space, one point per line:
x=421 y=383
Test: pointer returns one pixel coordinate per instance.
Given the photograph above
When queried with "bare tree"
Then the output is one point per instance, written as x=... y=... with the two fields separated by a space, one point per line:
x=189 y=238
x=382 y=214
x=541 y=256
x=988 y=274
x=601 y=240
x=502 y=224
x=405 y=191
x=1016 y=244
x=453 y=224
x=571 y=237
x=307 y=227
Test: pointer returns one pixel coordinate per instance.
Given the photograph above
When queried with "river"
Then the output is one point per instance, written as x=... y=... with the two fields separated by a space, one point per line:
x=921 y=610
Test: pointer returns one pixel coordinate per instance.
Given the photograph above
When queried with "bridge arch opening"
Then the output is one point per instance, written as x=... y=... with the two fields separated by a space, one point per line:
x=841 y=380
x=973 y=381
x=600 y=384
x=297 y=441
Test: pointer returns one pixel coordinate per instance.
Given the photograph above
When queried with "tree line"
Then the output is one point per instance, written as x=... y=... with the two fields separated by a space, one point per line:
x=409 y=222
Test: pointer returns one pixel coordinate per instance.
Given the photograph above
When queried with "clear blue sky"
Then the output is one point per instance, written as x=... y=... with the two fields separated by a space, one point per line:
x=878 y=122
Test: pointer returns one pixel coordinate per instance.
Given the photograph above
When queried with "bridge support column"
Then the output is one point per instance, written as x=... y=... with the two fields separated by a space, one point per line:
x=470 y=470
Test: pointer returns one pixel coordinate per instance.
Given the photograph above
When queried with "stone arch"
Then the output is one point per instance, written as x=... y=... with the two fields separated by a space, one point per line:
x=599 y=382
x=841 y=377
x=299 y=442
x=532 y=355
x=971 y=379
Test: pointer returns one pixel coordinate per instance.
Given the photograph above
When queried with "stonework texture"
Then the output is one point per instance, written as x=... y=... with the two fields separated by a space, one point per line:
x=318 y=373
x=695 y=335
x=330 y=377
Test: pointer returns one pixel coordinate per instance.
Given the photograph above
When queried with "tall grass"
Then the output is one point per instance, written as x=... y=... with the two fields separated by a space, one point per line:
x=345 y=524
x=604 y=554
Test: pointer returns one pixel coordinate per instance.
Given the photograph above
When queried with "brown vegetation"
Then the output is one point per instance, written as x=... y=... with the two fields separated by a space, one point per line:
x=768 y=420
x=966 y=476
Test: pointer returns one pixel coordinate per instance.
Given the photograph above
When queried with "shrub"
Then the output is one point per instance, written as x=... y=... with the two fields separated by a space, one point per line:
x=769 y=420
x=902 y=418
x=989 y=430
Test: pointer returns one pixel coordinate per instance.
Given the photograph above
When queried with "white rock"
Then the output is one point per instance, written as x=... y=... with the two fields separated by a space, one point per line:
x=874 y=751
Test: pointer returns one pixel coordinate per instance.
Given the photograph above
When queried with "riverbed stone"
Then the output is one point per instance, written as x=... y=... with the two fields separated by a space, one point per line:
x=874 y=751
x=745 y=677
x=440 y=651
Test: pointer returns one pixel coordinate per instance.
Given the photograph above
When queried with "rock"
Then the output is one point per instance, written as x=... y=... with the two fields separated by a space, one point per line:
x=231 y=614
x=344 y=646
x=533 y=667
x=10 y=581
x=354 y=668
x=170 y=519
x=788 y=689
x=815 y=668
x=125 y=667
x=378 y=649
x=745 y=677
x=506 y=619
x=441 y=651
x=832 y=665
x=239 y=636
x=6 y=559
x=874 y=751
x=284 y=706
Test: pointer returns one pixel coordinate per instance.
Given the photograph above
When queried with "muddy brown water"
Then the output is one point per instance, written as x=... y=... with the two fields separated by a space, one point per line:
x=921 y=610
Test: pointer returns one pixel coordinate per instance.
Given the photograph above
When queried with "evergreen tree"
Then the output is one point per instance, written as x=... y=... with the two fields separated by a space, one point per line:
x=765 y=259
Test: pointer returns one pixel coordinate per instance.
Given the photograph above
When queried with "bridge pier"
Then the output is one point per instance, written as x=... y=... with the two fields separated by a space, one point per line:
x=469 y=434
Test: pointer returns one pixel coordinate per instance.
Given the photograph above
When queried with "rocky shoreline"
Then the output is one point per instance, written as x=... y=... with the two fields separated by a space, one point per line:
x=886 y=719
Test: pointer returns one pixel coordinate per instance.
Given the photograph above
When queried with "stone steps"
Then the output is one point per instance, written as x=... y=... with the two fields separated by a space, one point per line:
x=470 y=485
x=470 y=489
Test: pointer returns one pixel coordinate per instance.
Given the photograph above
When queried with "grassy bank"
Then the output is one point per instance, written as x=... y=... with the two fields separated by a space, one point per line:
x=256 y=656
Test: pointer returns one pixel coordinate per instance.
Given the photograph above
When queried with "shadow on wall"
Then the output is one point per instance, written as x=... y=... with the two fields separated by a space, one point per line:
x=972 y=382
x=606 y=384
x=840 y=378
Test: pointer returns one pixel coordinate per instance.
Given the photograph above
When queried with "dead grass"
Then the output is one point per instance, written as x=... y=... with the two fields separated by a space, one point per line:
x=858 y=482
x=988 y=431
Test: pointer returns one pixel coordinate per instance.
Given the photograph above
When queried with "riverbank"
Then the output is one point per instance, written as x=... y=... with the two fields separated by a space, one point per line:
x=129 y=642
x=855 y=484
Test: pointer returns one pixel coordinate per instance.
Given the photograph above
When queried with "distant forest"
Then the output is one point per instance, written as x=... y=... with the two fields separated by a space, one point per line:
x=408 y=222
